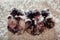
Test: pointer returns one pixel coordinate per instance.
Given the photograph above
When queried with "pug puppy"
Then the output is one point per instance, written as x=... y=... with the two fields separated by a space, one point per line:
x=12 y=25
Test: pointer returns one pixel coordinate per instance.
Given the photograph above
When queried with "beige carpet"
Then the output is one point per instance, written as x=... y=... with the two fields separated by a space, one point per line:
x=46 y=35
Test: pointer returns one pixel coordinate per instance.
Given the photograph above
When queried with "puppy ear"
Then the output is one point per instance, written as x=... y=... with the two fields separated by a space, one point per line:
x=27 y=20
x=9 y=17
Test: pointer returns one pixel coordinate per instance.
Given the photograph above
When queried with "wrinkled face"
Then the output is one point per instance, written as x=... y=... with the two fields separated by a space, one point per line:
x=41 y=24
x=22 y=22
x=36 y=17
x=12 y=23
x=15 y=22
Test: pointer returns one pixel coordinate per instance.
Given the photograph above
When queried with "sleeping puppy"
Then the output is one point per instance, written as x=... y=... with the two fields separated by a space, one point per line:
x=14 y=20
x=48 y=18
x=33 y=16
x=12 y=25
